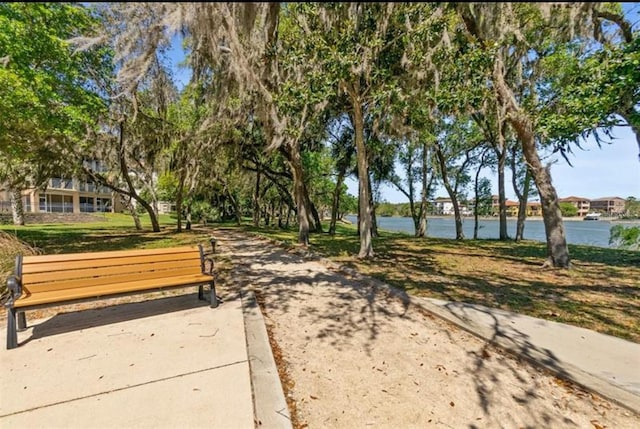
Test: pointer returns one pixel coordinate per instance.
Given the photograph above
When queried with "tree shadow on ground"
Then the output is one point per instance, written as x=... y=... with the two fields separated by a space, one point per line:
x=361 y=306
x=594 y=294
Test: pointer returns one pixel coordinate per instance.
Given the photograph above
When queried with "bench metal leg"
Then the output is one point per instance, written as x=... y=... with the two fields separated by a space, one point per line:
x=22 y=321
x=214 y=298
x=12 y=334
x=201 y=293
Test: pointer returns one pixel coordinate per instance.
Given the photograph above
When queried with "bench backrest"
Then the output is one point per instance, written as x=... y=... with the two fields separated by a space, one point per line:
x=69 y=271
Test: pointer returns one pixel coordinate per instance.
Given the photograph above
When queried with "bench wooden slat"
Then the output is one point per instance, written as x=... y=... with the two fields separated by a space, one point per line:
x=106 y=254
x=109 y=289
x=95 y=274
x=107 y=262
x=115 y=278
x=47 y=280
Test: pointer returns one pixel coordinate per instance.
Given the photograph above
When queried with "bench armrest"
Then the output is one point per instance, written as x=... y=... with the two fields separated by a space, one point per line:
x=206 y=260
x=208 y=265
x=14 y=284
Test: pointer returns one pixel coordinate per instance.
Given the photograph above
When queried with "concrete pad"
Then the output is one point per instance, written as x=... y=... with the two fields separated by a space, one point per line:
x=171 y=362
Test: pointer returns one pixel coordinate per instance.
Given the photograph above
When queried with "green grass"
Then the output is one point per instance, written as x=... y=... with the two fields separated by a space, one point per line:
x=113 y=232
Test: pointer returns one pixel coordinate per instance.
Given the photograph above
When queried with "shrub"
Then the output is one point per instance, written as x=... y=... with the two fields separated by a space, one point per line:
x=628 y=238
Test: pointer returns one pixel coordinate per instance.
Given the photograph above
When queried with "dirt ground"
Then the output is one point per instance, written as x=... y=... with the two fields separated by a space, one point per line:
x=354 y=355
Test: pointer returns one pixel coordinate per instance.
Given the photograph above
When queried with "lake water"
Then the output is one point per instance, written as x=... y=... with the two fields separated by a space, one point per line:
x=593 y=233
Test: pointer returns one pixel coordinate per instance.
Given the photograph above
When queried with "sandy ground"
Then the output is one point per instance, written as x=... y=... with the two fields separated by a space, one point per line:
x=356 y=356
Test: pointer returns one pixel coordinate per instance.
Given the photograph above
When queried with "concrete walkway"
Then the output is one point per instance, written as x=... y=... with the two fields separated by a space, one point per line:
x=167 y=363
x=601 y=363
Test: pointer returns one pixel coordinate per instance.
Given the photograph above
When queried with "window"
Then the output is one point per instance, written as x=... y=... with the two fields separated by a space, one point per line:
x=56 y=203
x=26 y=202
x=86 y=205
x=103 y=204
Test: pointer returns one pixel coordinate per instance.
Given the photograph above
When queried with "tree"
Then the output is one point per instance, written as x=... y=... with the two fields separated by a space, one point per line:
x=483 y=198
x=343 y=151
x=48 y=90
x=454 y=151
x=518 y=34
x=521 y=181
x=594 y=88
x=632 y=207
x=414 y=156
x=358 y=45
x=568 y=209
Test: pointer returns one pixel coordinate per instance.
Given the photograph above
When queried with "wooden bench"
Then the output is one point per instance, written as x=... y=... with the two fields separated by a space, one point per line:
x=49 y=280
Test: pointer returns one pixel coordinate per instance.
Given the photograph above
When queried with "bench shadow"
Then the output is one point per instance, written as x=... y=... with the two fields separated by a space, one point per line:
x=72 y=321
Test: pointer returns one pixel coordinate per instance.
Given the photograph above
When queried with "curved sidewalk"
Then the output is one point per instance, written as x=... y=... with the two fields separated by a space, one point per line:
x=604 y=364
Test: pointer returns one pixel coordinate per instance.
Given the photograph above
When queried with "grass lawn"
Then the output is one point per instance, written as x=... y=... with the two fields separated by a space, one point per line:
x=601 y=292
x=113 y=232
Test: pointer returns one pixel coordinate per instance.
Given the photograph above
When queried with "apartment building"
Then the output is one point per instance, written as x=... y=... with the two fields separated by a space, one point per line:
x=66 y=195
x=611 y=206
x=444 y=206
x=513 y=207
x=583 y=205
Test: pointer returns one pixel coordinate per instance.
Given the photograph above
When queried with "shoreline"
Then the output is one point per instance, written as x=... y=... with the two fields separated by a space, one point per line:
x=536 y=218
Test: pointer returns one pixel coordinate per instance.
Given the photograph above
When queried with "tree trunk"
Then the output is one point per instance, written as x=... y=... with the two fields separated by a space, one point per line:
x=17 y=209
x=155 y=225
x=335 y=204
x=311 y=208
x=501 y=153
x=421 y=231
x=523 y=195
x=188 y=218
x=299 y=194
x=372 y=205
x=452 y=194
x=236 y=208
x=256 y=200
x=557 y=249
x=134 y=214
x=364 y=199
x=522 y=209
x=476 y=191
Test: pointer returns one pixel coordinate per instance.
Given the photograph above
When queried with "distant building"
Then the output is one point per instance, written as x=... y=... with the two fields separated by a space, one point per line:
x=66 y=195
x=513 y=207
x=612 y=206
x=583 y=205
x=443 y=206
